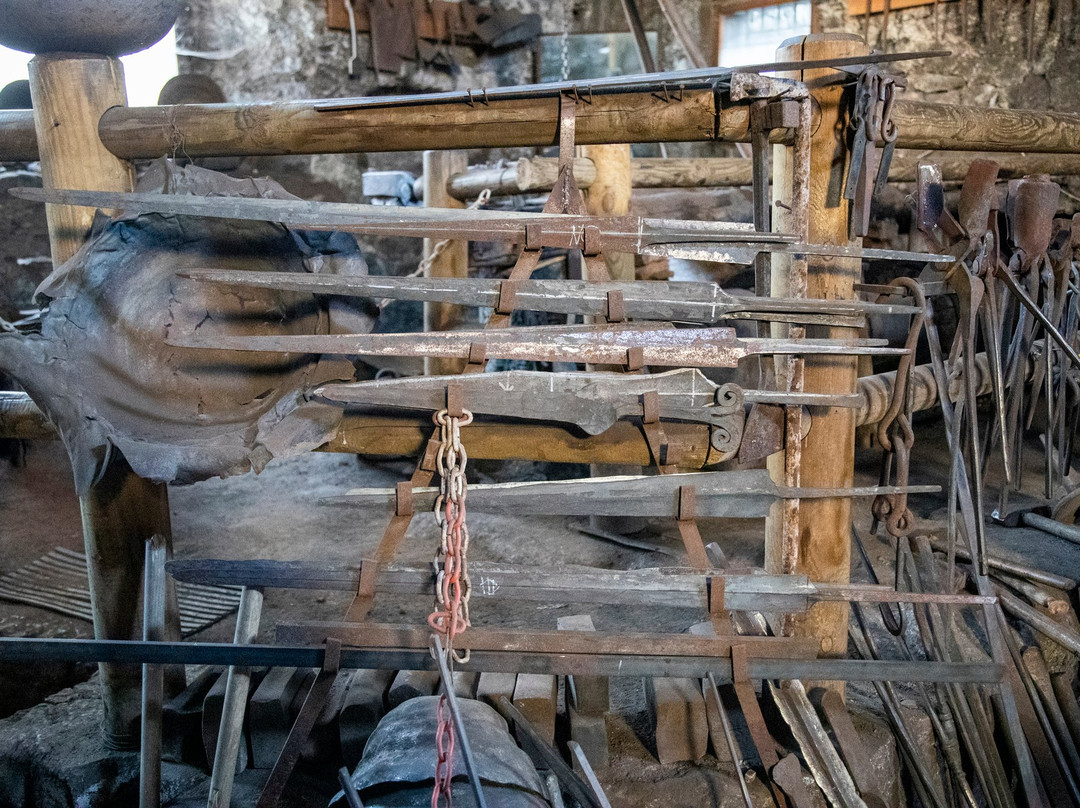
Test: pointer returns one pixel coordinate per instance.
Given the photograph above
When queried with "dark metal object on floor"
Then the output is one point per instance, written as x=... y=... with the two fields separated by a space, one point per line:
x=301 y=728
x=347 y=787
x=551 y=757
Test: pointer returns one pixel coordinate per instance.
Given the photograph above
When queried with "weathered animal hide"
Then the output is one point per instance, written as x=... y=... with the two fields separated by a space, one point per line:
x=103 y=372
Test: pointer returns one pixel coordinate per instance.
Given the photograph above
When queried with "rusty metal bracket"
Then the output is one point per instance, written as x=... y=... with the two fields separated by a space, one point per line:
x=635 y=358
x=507 y=300
x=302 y=726
x=592 y=240
x=615 y=308
x=403 y=502
x=455 y=396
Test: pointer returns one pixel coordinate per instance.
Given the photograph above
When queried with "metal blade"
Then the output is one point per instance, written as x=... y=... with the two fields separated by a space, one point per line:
x=616 y=344
x=621 y=234
x=720 y=494
x=679 y=301
x=591 y=401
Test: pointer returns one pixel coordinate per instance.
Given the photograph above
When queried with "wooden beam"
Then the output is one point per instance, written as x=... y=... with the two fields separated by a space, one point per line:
x=443 y=259
x=539 y=173
x=828 y=450
x=120 y=511
x=295 y=127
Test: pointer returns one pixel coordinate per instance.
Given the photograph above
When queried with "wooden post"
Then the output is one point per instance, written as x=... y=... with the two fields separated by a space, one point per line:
x=609 y=195
x=828 y=452
x=452 y=260
x=121 y=511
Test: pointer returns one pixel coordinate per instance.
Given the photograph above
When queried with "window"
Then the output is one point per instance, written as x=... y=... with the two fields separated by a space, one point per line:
x=751 y=36
x=592 y=56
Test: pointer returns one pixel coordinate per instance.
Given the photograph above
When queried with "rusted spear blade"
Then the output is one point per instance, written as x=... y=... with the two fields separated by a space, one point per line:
x=590 y=401
x=630 y=344
x=735 y=494
x=1036 y=202
x=707 y=241
x=977 y=197
x=677 y=301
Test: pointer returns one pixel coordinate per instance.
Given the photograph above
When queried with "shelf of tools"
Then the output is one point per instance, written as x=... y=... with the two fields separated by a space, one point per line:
x=824 y=129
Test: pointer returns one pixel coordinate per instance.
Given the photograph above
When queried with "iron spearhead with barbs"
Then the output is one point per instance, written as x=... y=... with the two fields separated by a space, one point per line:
x=631 y=345
x=677 y=301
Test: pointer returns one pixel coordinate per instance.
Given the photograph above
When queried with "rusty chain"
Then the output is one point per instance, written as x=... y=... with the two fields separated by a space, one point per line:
x=894 y=431
x=453 y=588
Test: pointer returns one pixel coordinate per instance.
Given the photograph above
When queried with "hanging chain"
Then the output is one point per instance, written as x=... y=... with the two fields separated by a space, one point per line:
x=565 y=41
x=452 y=585
x=894 y=431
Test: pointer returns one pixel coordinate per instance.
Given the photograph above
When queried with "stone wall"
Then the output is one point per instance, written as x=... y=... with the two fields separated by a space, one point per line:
x=1020 y=55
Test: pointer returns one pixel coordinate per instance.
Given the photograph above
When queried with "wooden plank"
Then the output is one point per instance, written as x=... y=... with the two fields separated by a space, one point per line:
x=443 y=258
x=382 y=635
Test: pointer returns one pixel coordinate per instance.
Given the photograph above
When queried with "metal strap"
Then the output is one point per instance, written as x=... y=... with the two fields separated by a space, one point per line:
x=301 y=728
x=615 y=310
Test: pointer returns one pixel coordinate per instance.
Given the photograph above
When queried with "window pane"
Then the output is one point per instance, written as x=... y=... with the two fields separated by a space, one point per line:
x=593 y=56
x=752 y=36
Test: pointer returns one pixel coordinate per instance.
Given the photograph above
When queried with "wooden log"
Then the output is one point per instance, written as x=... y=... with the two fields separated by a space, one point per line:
x=623 y=443
x=449 y=259
x=538 y=173
x=70 y=92
x=492 y=685
x=296 y=127
x=609 y=195
x=828 y=450
x=409 y=685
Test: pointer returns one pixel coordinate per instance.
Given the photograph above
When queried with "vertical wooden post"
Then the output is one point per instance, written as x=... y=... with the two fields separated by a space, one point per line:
x=121 y=511
x=828 y=452
x=452 y=261
x=609 y=195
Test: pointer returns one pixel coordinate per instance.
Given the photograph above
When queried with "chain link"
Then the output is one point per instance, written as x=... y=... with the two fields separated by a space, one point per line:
x=452 y=585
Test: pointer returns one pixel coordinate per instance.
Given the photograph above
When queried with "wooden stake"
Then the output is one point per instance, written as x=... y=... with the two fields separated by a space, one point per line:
x=121 y=511
x=452 y=260
x=609 y=195
x=828 y=451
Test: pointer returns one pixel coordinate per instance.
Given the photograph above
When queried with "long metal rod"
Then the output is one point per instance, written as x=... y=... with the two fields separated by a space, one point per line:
x=698 y=78
x=708 y=241
x=680 y=301
x=19 y=649
x=459 y=723
x=656 y=345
